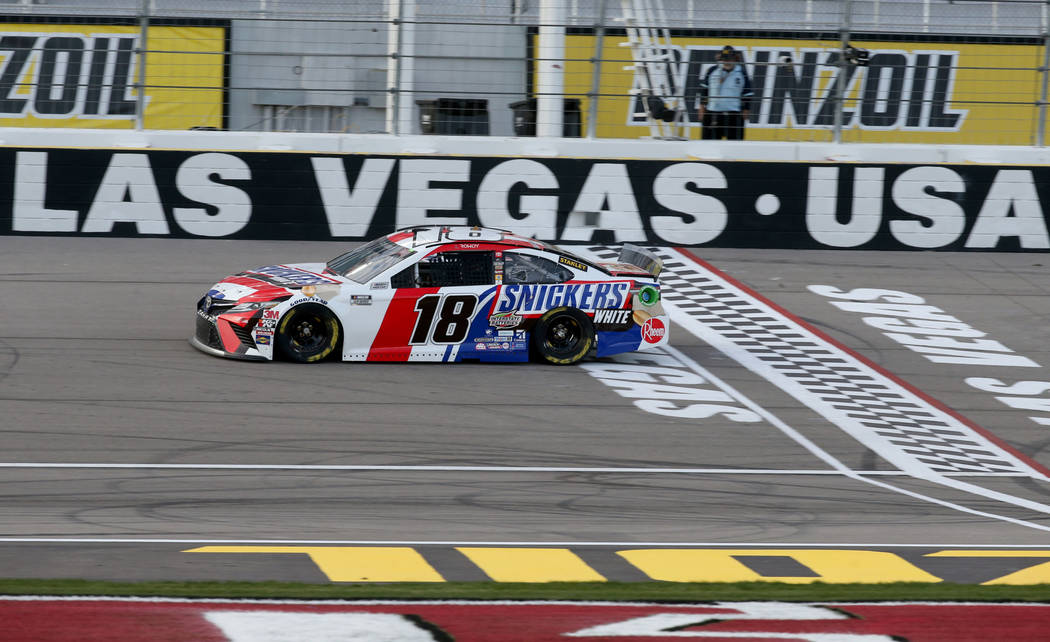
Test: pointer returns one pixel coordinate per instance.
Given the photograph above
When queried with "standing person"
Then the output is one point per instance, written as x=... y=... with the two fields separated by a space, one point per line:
x=725 y=98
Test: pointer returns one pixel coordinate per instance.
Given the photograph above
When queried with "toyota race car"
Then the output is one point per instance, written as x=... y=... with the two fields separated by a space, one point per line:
x=438 y=294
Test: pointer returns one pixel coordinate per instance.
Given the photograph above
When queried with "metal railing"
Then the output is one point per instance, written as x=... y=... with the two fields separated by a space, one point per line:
x=935 y=72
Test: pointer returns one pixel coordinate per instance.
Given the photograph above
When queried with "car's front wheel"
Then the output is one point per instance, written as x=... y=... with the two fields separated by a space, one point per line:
x=563 y=336
x=308 y=333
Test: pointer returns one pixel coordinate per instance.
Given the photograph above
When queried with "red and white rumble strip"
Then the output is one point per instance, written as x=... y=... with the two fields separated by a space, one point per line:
x=53 y=619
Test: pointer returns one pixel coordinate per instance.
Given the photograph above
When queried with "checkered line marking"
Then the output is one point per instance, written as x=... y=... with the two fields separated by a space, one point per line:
x=900 y=426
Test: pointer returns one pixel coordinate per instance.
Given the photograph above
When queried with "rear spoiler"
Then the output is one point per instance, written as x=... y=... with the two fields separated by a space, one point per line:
x=642 y=258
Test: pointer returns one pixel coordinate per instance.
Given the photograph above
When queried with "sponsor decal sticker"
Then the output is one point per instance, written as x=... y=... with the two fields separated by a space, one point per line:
x=361 y=299
x=653 y=330
x=530 y=299
x=618 y=319
x=504 y=320
x=564 y=260
x=309 y=299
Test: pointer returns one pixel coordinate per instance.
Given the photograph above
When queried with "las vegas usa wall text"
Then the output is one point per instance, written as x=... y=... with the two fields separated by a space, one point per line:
x=274 y=195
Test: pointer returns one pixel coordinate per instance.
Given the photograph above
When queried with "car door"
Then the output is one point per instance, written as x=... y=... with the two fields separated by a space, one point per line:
x=436 y=305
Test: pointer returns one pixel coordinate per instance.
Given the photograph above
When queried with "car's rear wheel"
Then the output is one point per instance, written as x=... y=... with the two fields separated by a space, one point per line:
x=308 y=333
x=562 y=336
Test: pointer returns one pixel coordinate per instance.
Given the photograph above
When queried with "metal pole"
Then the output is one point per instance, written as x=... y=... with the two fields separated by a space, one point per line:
x=393 y=70
x=406 y=66
x=840 y=85
x=1043 y=71
x=140 y=75
x=550 y=76
x=596 y=71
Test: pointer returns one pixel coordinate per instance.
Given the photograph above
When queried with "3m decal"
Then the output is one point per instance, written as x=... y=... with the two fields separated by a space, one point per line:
x=443 y=319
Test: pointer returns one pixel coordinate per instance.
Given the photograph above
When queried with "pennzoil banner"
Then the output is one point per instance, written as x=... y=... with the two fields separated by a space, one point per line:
x=85 y=75
x=914 y=90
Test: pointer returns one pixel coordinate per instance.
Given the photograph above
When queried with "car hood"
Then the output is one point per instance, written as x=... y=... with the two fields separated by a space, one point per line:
x=274 y=281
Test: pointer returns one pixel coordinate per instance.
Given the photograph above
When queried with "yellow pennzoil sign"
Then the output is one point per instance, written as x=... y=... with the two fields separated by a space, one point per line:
x=910 y=92
x=80 y=75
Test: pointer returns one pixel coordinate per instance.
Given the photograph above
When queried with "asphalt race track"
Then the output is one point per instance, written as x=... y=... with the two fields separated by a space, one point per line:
x=124 y=448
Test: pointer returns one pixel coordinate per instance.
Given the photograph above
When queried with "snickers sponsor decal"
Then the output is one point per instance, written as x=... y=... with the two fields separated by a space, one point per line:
x=534 y=299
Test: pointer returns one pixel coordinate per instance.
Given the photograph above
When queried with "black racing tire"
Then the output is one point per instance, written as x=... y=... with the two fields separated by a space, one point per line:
x=308 y=333
x=562 y=336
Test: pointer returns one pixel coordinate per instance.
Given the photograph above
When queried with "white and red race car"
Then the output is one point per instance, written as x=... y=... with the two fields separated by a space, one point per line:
x=438 y=294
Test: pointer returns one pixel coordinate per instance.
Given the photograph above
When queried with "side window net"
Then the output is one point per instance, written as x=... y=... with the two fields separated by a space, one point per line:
x=527 y=268
x=447 y=269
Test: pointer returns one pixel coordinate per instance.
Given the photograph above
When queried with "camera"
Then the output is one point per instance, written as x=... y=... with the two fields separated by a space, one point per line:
x=856 y=56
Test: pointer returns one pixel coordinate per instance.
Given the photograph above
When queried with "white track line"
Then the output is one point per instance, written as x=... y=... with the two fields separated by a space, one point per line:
x=468 y=469
x=388 y=542
x=475 y=469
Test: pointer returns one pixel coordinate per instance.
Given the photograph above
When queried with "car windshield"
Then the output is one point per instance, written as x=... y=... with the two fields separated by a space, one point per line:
x=364 y=263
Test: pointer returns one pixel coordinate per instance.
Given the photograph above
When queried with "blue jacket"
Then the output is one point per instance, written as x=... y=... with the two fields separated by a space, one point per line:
x=722 y=90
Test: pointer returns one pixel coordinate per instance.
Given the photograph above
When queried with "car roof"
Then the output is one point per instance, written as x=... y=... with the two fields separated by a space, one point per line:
x=435 y=235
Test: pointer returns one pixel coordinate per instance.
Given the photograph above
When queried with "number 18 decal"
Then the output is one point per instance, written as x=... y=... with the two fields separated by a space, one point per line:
x=443 y=319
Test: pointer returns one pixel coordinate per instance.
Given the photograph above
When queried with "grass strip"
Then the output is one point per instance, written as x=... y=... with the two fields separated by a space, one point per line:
x=600 y=591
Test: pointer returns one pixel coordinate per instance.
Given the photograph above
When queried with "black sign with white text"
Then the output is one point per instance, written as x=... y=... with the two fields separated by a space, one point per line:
x=275 y=195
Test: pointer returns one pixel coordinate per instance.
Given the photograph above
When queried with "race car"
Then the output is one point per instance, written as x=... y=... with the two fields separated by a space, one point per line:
x=443 y=294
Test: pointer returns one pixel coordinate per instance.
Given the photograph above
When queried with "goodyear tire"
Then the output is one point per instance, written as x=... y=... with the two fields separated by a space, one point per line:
x=308 y=333
x=562 y=336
